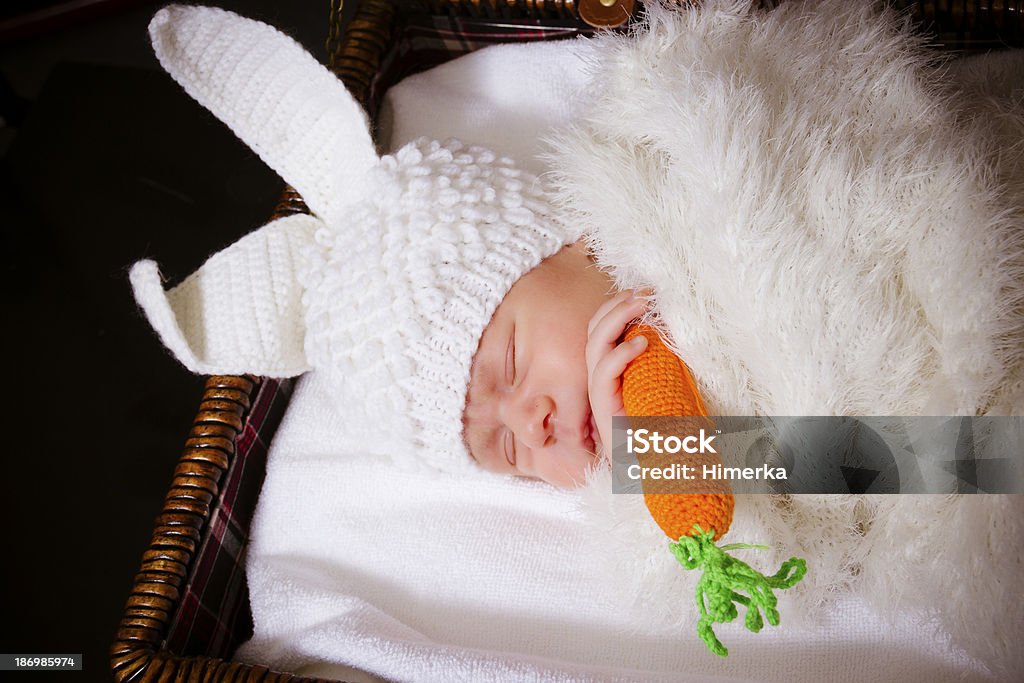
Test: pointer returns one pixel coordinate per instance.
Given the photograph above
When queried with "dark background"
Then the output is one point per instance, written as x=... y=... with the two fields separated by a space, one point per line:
x=104 y=160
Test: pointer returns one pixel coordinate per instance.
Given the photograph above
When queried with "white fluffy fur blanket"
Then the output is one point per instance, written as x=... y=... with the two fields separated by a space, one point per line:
x=832 y=222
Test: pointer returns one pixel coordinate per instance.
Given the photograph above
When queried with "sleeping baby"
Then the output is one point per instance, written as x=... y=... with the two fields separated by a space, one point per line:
x=461 y=316
x=545 y=380
x=436 y=286
x=801 y=232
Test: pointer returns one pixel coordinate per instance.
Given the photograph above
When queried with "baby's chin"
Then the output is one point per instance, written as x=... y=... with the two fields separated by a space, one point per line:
x=573 y=471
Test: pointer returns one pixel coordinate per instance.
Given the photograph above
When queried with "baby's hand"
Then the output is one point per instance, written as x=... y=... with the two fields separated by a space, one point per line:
x=607 y=358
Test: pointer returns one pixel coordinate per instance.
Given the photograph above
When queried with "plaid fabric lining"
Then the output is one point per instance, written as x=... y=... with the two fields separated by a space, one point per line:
x=213 y=615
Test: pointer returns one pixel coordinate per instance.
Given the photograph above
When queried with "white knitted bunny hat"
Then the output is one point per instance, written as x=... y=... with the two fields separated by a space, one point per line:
x=387 y=286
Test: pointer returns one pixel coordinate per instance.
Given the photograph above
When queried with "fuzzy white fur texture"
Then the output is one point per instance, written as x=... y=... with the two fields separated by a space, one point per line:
x=831 y=220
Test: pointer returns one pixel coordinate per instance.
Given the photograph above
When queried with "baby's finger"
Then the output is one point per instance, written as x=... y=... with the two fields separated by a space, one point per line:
x=606 y=336
x=606 y=332
x=603 y=309
x=606 y=379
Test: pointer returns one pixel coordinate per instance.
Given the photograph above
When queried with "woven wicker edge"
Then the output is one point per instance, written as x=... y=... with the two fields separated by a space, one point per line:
x=136 y=653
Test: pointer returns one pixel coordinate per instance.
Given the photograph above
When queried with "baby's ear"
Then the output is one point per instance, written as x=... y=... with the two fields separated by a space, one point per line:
x=294 y=113
x=241 y=312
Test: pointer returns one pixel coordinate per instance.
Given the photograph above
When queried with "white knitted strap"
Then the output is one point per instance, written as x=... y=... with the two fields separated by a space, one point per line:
x=280 y=101
x=241 y=312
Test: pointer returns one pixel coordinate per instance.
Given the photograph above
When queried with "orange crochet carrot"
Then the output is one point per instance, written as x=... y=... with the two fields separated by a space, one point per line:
x=657 y=383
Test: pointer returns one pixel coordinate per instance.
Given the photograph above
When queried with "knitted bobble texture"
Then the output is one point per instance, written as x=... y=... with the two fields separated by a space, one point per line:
x=398 y=296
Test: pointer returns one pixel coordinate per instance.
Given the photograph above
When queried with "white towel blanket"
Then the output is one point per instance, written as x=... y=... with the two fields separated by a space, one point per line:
x=505 y=97
x=355 y=566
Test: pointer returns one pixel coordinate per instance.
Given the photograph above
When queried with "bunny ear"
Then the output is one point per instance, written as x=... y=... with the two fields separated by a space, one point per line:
x=241 y=312
x=294 y=113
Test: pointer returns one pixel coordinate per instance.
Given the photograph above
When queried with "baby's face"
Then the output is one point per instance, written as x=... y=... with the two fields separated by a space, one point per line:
x=527 y=409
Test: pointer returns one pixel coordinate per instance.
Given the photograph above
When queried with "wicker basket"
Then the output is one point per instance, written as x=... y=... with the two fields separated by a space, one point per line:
x=188 y=606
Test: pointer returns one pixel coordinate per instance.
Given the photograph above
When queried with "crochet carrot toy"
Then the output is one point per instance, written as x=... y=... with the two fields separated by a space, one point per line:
x=657 y=383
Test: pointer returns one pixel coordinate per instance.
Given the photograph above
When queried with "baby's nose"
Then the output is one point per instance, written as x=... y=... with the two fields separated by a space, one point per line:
x=530 y=418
